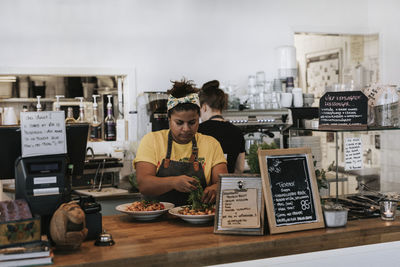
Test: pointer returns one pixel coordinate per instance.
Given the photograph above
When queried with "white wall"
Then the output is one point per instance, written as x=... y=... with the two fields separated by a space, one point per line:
x=383 y=18
x=169 y=39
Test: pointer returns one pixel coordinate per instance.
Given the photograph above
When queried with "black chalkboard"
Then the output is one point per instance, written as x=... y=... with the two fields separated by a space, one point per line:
x=343 y=110
x=290 y=190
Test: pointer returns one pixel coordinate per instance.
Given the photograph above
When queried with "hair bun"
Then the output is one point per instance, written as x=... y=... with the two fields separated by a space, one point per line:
x=214 y=84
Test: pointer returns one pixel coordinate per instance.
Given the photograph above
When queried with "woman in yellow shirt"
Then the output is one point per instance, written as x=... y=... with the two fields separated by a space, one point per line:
x=169 y=161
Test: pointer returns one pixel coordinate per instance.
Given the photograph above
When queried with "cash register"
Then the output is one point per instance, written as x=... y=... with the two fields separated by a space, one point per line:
x=43 y=181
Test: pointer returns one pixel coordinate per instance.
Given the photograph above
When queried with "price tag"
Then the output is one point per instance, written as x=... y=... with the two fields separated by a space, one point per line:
x=239 y=209
x=43 y=133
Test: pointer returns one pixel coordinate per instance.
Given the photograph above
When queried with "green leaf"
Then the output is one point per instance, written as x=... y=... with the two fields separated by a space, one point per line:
x=252 y=158
x=195 y=196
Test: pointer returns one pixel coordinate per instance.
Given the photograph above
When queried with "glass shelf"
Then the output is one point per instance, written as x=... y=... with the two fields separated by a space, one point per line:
x=368 y=129
x=337 y=131
x=34 y=100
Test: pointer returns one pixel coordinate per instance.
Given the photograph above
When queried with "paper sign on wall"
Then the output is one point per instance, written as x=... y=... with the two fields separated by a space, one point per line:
x=353 y=154
x=239 y=209
x=43 y=133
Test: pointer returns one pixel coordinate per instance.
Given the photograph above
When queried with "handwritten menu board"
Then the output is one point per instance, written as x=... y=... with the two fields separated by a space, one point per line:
x=239 y=205
x=43 y=133
x=290 y=189
x=343 y=110
x=353 y=154
x=239 y=209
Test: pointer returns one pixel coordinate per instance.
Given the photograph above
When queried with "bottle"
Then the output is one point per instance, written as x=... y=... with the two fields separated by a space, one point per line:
x=57 y=105
x=95 y=127
x=24 y=109
x=81 y=117
x=70 y=116
x=38 y=105
x=289 y=84
x=109 y=123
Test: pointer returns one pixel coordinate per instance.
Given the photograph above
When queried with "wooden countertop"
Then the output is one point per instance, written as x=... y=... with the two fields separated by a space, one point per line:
x=173 y=242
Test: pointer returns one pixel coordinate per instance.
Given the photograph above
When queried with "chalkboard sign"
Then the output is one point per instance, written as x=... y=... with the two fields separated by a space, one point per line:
x=343 y=110
x=290 y=190
x=240 y=205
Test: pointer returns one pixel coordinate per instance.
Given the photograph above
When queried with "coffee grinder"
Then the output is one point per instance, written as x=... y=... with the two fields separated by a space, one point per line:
x=158 y=110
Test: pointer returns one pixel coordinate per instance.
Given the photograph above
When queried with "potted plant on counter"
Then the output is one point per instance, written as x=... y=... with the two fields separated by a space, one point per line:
x=335 y=214
x=252 y=158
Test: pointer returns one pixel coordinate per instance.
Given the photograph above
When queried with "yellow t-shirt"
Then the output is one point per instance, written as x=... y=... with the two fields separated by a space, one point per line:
x=153 y=149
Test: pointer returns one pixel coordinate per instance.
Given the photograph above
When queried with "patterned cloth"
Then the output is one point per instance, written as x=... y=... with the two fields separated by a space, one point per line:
x=191 y=98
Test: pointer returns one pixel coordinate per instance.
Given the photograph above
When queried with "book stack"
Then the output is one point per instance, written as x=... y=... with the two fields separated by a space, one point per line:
x=38 y=253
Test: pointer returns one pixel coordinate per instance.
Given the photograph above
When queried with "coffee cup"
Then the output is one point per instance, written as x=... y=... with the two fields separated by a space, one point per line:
x=9 y=116
x=297 y=97
x=286 y=100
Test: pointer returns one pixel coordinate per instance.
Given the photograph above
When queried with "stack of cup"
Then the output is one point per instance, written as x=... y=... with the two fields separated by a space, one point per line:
x=297 y=97
x=286 y=100
x=10 y=118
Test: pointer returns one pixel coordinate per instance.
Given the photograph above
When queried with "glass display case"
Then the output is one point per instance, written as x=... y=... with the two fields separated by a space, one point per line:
x=360 y=188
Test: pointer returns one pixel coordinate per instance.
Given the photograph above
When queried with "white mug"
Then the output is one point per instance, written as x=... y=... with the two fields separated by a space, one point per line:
x=286 y=100
x=297 y=97
x=9 y=116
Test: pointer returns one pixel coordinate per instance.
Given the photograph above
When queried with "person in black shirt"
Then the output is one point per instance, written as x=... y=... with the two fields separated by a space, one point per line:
x=212 y=101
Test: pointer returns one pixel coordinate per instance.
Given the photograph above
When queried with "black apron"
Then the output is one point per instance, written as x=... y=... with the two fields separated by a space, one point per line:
x=175 y=168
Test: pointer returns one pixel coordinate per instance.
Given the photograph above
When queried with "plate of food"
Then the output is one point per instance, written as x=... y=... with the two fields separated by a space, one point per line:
x=195 y=216
x=145 y=210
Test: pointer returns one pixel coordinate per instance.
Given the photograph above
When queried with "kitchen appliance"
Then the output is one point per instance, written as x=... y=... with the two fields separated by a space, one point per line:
x=99 y=171
x=41 y=182
x=93 y=216
x=261 y=121
x=10 y=142
x=152 y=112
x=44 y=181
x=158 y=110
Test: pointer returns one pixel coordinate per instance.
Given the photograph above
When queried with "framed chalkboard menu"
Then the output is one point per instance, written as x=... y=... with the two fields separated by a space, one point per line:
x=240 y=205
x=290 y=190
x=343 y=110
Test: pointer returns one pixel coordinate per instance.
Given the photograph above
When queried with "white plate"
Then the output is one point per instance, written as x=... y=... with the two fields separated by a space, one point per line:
x=195 y=219
x=144 y=215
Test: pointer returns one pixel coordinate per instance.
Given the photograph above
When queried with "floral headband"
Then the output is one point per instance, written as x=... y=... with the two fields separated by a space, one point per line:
x=191 y=98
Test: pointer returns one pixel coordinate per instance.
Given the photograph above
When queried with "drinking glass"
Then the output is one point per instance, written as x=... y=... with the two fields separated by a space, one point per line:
x=388 y=209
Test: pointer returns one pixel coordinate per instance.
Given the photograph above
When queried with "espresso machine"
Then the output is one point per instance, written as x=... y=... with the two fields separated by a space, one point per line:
x=261 y=122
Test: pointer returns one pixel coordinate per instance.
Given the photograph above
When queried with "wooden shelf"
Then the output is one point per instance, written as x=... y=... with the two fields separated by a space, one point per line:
x=34 y=100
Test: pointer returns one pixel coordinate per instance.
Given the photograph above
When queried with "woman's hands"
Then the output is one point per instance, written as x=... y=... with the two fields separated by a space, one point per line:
x=209 y=194
x=184 y=183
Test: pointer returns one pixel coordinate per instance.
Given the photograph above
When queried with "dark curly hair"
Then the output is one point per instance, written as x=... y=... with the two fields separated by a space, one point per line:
x=183 y=88
x=214 y=97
